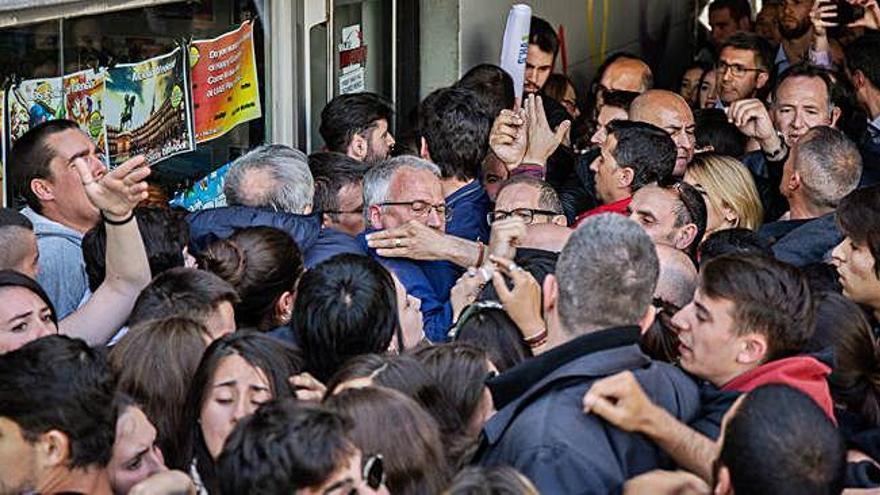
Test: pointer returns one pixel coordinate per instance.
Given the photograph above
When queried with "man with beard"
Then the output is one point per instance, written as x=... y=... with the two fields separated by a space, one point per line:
x=796 y=29
x=357 y=125
x=743 y=68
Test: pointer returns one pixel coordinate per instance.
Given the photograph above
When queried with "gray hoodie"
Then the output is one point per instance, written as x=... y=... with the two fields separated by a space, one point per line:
x=62 y=269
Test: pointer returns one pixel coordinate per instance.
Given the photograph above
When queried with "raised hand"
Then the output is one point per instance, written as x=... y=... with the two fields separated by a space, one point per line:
x=508 y=138
x=542 y=140
x=752 y=119
x=118 y=192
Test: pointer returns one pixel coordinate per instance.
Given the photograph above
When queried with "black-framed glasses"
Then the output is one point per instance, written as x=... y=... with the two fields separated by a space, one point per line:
x=736 y=69
x=359 y=210
x=527 y=214
x=422 y=208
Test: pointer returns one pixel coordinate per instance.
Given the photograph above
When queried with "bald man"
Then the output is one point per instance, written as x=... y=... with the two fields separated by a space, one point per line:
x=670 y=112
x=626 y=73
x=678 y=276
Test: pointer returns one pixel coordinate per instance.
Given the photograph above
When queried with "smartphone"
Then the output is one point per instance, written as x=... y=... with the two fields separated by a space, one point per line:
x=848 y=13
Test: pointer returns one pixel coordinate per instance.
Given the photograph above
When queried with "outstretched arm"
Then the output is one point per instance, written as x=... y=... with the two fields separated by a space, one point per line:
x=116 y=194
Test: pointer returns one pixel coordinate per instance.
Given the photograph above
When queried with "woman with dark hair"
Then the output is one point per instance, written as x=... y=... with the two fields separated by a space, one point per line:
x=499 y=480
x=562 y=89
x=345 y=307
x=389 y=423
x=154 y=363
x=855 y=382
x=485 y=324
x=263 y=264
x=461 y=371
x=238 y=372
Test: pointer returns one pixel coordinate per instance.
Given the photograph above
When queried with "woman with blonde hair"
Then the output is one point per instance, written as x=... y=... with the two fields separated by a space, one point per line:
x=729 y=190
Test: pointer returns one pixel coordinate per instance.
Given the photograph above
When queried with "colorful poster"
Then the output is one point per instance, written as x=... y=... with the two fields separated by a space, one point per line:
x=224 y=82
x=84 y=104
x=33 y=102
x=206 y=193
x=147 y=109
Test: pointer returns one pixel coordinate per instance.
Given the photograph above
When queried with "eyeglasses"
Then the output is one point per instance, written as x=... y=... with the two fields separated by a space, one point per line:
x=359 y=210
x=527 y=214
x=469 y=312
x=374 y=471
x=736 y=69
x=422 y=208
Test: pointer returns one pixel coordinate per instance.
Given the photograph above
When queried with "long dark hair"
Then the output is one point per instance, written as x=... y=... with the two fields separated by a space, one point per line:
x=275 y=358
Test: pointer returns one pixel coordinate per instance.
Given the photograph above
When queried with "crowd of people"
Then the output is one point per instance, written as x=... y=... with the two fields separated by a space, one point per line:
x=619 y=290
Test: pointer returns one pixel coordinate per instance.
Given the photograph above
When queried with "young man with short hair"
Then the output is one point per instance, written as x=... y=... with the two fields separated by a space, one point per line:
x=357 y=124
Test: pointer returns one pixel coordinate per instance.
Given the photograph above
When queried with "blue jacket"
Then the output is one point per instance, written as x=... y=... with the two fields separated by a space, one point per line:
x=545 y=435
x=469 y=205
x=808 y=242
x=430 y=281
x=315 y=243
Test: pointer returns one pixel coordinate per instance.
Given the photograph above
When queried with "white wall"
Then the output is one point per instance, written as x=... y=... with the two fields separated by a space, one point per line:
x=656 y=29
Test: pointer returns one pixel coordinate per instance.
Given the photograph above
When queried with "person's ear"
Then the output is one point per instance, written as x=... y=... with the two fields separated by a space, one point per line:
x=560 y=220
x=550 y=289
x=754 y=349
x=858 y=79
x=762 y=80
x=53 y=450
x=284 y=306
x=625 y=176
x=647 y=319
x=794 y=182
x=375 y=216
x=685 y=236
x=722 y=482
x=308 y=209
x=424 y=152
x=358 y=146
x=326 y=221
x=835 y=115
x=43 y=189
x=730 y=216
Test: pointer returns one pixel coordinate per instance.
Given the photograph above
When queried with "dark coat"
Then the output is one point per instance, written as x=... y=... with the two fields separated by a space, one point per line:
x=314 y=242
x=544 y=433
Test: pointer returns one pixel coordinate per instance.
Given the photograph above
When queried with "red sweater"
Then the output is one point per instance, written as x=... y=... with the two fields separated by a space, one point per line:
x=618 y=207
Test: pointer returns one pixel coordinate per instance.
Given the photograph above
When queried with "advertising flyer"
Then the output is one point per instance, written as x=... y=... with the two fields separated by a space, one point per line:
x=148 y=109
x=224 y=82
x=206 y=193
x=33 y=102
x=84 y=104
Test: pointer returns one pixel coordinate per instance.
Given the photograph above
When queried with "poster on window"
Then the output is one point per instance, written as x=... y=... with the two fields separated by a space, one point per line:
x=224 y=82
x=33 y=102
x=148 y=109
x=206 y=193
x=84 y=104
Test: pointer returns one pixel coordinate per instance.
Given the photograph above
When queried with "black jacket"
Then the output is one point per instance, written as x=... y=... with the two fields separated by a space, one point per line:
x=543 y=432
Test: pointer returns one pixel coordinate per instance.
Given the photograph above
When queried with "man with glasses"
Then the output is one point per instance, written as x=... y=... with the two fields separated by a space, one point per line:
x=339 y=192
x=633 y=155
x=406 y=191
x=743 y=68
x=528 y=198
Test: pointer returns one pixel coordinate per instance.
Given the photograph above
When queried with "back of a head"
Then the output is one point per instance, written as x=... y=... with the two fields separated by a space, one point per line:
x=541 y=33
x=389 y=423
x=456 y=127
x=460 y=370
x=770 y=297
x=271 y=176
x=345 y=306
x=183 y=292
x=29 y=159
x=165 y=233
x=645 y=148
x=626 y=59
x=678 y=276
x=841 y=325
x=488 y=327
x=14 y=228
x=780 y=441
x=154 y=363
x=333 y=171
x=737 y=240
x=715 y=131
x=346 y=115
x=261 y=263
x=612 y=259
x=829 y=165
x=492 y=84
x=738 y=8
x=498 y=480
x=59 y=383
x=620 y=99
x=283 y=447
